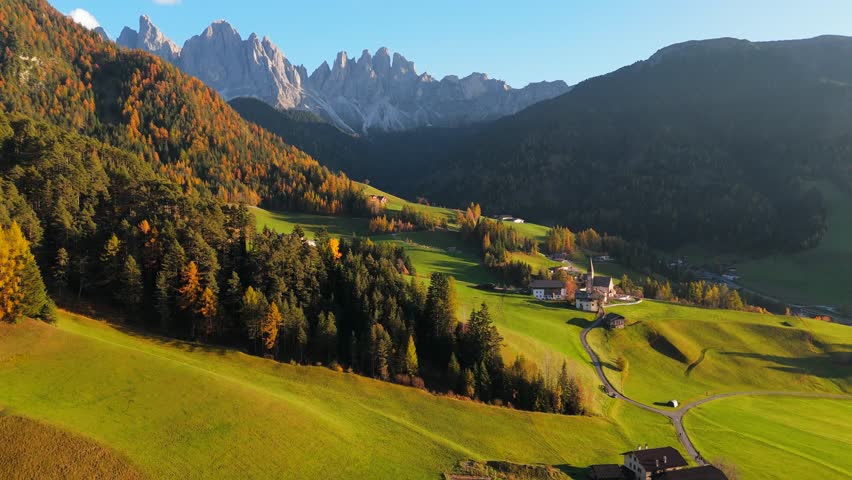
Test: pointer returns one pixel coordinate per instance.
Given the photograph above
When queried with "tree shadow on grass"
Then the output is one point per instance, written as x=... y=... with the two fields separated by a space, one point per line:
x=549 y=304
x=833 y=365
x=574 y=472
x=165 y=341
x=133 y=327
x=470 y=273
x=580 y=322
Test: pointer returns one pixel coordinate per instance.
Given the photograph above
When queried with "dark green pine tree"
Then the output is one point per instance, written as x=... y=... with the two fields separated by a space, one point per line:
x=131 y=290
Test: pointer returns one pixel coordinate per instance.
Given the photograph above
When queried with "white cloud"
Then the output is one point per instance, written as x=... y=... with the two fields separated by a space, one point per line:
x=167 y=2
x=84 y=18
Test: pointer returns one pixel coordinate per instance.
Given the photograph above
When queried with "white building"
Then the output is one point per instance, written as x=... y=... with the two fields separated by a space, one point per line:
x=548 y=289
x=586 y=302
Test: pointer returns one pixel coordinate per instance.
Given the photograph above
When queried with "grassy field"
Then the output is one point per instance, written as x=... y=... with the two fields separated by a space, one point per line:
x=59 y=454
x=776 y=437
x=815 y=276
x=180 y=410
x=285 y=222
x=684 y=353
x=544 y=332
x=395 y=204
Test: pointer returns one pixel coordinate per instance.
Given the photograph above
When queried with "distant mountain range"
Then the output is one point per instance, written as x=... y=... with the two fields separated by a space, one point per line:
x=380 y=92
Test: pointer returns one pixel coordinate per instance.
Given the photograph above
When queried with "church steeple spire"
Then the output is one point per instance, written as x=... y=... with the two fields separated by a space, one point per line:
x=590 y=277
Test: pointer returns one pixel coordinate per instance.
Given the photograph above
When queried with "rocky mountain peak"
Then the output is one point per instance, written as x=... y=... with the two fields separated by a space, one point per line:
x=222 y=29
x=103 y=33
x=149 y=38
x=341 y=61
x=401 y=65
x=382 y=62
x=365 y=58
x=127 y=38
x=381 y=91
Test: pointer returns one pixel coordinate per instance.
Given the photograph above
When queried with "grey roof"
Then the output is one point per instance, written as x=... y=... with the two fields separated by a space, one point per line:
x=546 y=284
x=667 y=457
x=582 y=296
x=706 y=472
x=602 y=281
x=607 y=472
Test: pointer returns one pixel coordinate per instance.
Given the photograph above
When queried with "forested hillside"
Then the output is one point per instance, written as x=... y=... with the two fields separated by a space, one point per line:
x=55 y=70
x=106 y=157
x=393 y=160
x=711 y=141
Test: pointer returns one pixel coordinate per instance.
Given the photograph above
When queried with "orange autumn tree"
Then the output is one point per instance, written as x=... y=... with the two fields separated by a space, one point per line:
x=12 y=248
x=270 y=326
x=190 y=291
x=22 y=291
x=334 y=246
x=207 y=311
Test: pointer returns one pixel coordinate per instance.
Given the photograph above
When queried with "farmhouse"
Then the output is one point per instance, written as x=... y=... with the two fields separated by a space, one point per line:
x=613 y=321
x=508 y=218
x=664 y=463
x=379 y=198
x=548 y=289
x=647 y=463
x=586 y=302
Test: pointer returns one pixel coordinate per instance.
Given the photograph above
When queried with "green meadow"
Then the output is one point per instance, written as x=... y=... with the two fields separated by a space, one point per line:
x=685 y=353
x=311 y=223
x=815 y=276
x=184 y=410
x=395 y=204
x=671 y=351
x=775 y=437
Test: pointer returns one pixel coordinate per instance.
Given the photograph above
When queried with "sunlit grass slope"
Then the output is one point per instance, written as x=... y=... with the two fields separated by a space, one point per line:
x=776 y=437
x=179 y=410
x=544 y=332
x=285 y=222
x=683 y=353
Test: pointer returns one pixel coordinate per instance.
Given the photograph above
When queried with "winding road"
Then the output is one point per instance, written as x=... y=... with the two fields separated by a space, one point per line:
x=676 y=416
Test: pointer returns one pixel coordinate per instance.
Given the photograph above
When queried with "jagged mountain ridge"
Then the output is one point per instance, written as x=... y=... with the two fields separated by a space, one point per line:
x=375 y=92
x=149 y=38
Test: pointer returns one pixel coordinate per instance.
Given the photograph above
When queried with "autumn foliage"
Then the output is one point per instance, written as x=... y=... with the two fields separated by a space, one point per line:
x=55 y=70
x=22 y=291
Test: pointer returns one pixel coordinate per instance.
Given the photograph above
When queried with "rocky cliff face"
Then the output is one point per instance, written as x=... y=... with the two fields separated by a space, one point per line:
x=375 y=92
x=149 y=38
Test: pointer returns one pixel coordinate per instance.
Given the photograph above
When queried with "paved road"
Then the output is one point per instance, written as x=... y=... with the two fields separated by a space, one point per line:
x=676 y=416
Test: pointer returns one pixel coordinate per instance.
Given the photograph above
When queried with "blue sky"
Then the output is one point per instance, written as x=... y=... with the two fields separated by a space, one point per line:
x=518 y=41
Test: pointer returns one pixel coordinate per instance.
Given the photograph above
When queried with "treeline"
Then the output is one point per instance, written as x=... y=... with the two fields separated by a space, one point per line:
x=559 y=240
x=497 y=240
x=137 y=102
x=699 y=292
x=408 y=219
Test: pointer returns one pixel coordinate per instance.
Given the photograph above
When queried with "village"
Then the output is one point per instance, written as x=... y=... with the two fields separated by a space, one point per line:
x=641 y=463
x=596 y=293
